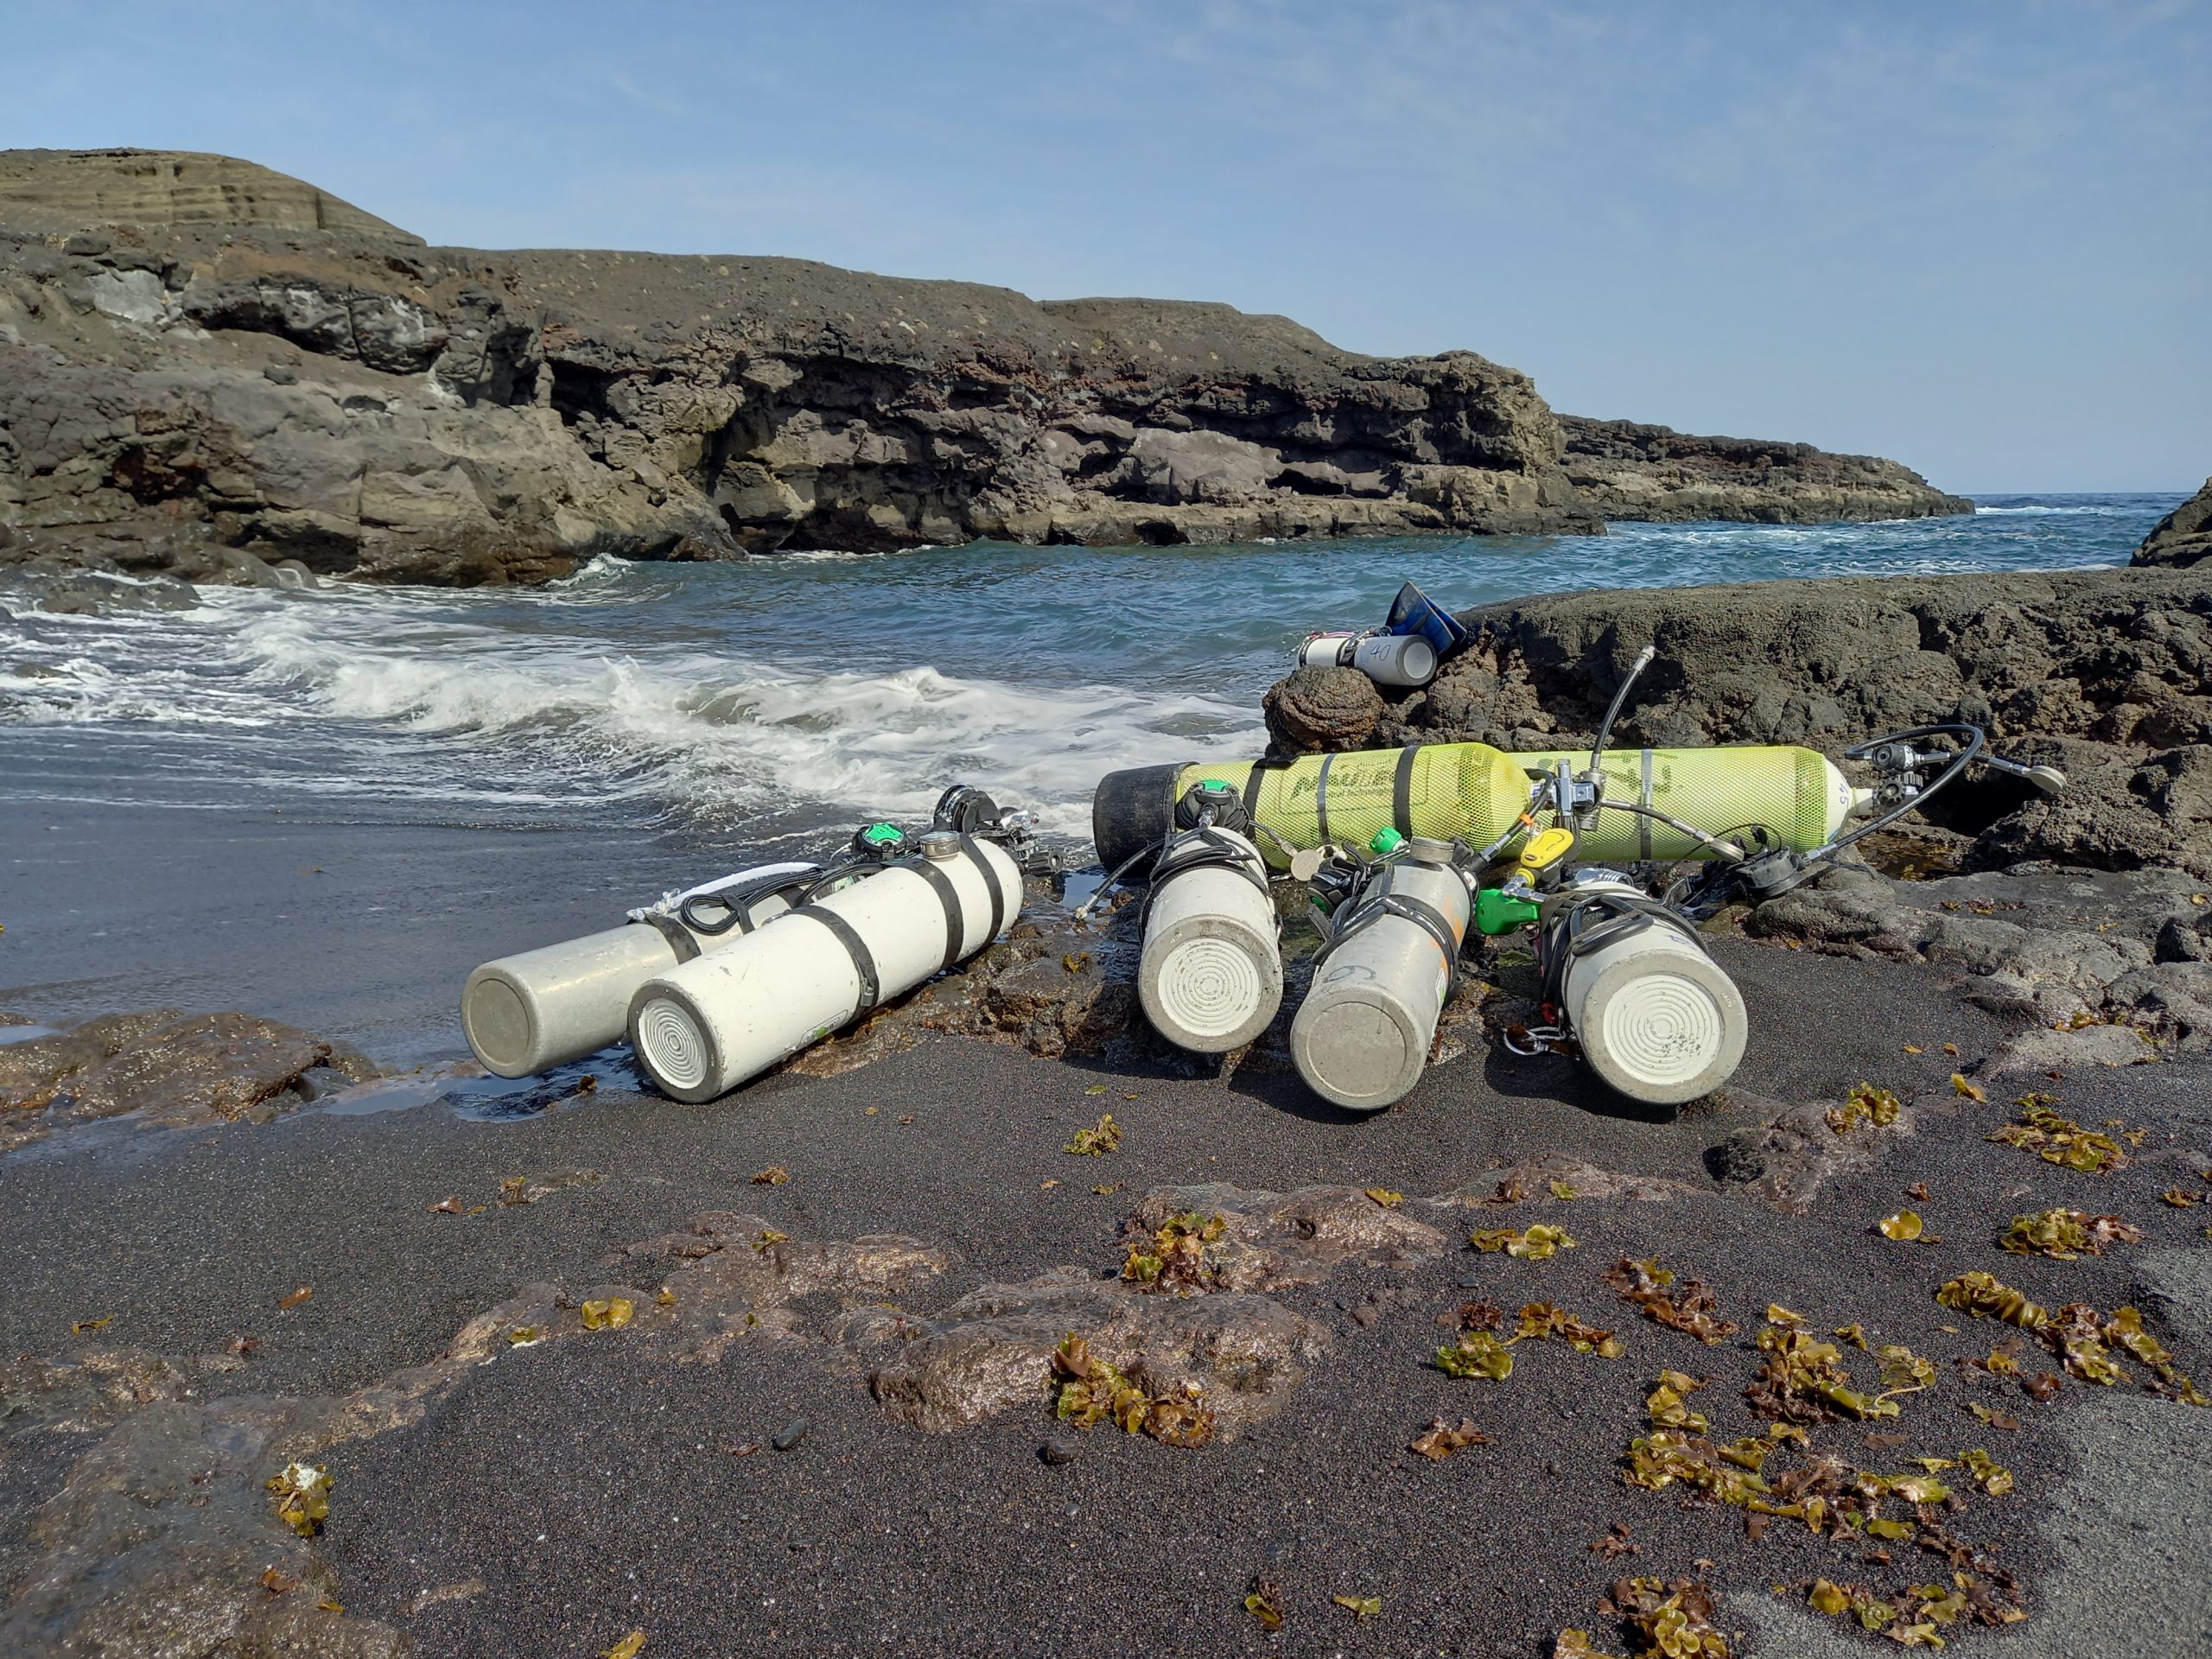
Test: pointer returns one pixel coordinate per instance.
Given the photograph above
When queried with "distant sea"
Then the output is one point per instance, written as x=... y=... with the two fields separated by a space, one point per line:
x=752 y=705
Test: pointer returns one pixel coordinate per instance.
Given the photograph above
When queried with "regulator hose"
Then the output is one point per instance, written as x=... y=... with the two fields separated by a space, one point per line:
x=1972 y=736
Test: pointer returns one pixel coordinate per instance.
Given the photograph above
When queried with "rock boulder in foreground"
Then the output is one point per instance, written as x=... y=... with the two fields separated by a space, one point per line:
x=199 y=357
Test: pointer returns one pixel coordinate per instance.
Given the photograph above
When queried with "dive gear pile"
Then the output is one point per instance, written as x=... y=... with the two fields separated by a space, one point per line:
x=1402 y=654
x=1613 y=859
x=718 y=982
x=1580 y=848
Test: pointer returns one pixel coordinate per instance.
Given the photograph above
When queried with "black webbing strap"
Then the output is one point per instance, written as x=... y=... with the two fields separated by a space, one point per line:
x=1205 y=848
x=1321 y=800
x=1401 y=792
x=737 y=914
x=1257 y=776
x=1422 y=914
x=990 y=880
x=955 y=919
x=678 y=936
x=863 y=963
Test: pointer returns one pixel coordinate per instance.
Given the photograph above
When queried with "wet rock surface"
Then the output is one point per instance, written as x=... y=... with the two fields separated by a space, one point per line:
x=170 y=1071
x=991 y=1352
x=1316 y=710
x=2068 y=950
x=1273 y=1239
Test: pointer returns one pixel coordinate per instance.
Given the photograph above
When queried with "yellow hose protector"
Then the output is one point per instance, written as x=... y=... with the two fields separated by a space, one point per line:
x=1474 y=792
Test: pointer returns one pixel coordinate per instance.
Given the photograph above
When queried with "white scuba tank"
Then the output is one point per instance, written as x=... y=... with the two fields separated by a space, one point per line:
x=1655 y=1016
x=1210 y=975
x=1363 y=1032
x=704 y=1026
x=1400 y=660
x=540 y=1008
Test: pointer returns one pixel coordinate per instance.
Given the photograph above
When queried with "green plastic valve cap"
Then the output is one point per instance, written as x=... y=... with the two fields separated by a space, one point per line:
x=1387 y=841
x=1497 y=911
x=881 y=835
x=1216 y=786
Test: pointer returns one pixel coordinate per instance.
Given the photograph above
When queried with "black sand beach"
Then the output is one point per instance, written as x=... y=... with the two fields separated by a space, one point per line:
x=560 y=1495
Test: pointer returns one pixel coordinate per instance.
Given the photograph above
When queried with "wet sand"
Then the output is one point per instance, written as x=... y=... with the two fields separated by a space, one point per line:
x=360 y=930
x=562 y=1495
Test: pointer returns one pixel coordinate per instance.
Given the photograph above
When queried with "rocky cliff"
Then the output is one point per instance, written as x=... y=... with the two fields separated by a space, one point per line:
x=201 y=359
x=2106 y=674
x=65 y=190
x=2183 y=536
x=1628 y=471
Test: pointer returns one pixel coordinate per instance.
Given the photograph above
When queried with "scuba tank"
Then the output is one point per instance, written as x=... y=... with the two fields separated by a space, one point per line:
x=1362 y=1036
x=1655 y=1016
x=1626 y=974
x=1210 y=975
x=1475 y=793
x=1403 y=661
x=529 y=1011
x=877 y=926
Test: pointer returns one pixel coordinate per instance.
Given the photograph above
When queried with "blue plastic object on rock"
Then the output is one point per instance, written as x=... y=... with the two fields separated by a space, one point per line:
x=1414 y=612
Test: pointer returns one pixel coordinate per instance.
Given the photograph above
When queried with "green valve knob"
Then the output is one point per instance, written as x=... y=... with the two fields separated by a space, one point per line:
x=1216 y=786
x=883 y=834
x=1497 y=911
x=1386 y=841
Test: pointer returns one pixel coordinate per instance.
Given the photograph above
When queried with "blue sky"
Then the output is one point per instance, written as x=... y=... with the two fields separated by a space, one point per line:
x=1975 y=236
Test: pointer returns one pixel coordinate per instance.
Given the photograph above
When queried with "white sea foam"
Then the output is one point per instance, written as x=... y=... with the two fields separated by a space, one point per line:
x=401 y=693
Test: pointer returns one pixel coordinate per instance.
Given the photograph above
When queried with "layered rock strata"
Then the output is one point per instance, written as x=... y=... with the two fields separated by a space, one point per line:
x=199 y=357
x=1629 y=471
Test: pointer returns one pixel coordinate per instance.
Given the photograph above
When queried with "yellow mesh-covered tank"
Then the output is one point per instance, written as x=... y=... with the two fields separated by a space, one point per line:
x=1474 y=791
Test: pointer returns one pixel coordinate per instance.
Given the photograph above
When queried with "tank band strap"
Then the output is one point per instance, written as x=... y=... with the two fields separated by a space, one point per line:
x=678 y=936
x=1321 y=799
x=1401 y=792
x=1602 y=918
x=989 y=872
x=1422 y=914
x=863 y=963
x=1205 y=848
x=1257 y=776
x=955 y=919
x=1643 y=822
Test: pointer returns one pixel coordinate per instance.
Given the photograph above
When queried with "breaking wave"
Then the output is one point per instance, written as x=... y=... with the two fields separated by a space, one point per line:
x=770 y=698
x=403 y=697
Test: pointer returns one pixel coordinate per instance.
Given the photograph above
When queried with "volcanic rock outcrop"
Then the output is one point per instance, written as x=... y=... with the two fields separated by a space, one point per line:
x=200 y=358
x=1625 y=470
x=2183 y=536
x=2103 y=673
